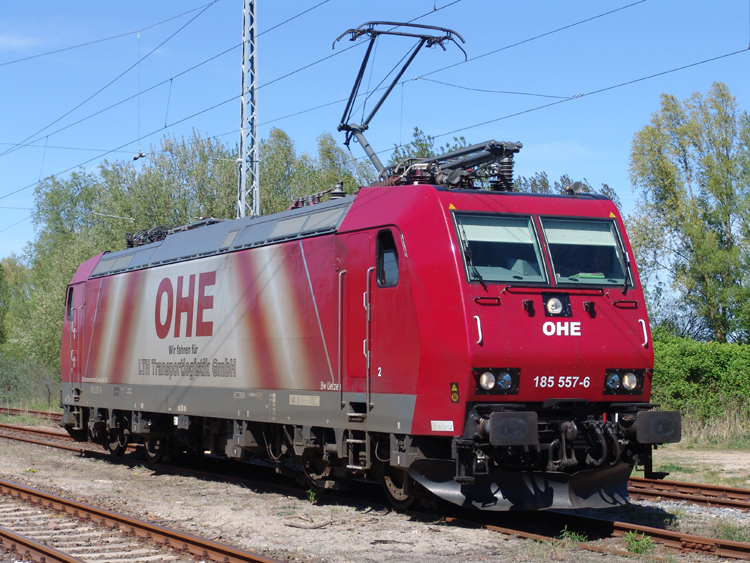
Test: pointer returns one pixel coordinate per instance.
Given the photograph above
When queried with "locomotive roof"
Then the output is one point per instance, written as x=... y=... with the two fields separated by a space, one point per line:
x=228 y=236
x=237 y=234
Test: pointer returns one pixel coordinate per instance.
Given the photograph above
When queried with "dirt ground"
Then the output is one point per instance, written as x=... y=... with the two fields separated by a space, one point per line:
x=271 y=523
x=716 y=467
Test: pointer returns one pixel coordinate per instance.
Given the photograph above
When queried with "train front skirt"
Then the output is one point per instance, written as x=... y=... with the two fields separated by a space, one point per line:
x=503 y=490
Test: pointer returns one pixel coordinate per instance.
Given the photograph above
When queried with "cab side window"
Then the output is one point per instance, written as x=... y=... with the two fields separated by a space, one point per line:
x=387 y=269
x=69 y=305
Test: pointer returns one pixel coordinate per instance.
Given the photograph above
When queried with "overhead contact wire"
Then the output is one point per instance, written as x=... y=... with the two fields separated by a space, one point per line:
x=110 y=82
x=192 y=68
x=101 y=40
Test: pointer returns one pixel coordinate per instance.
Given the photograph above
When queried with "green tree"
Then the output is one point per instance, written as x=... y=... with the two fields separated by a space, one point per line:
x=4 y=304
x=15 y=322
x=179 y=182
x=690 y=168
x=422 y=145
x=539 y=183
x=286 y=175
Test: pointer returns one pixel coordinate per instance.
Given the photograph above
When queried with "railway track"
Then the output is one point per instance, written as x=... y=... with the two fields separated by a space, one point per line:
x=640 y=488
x=706 y=495
x=41 y=527
x=51 y=416
x=62 y=440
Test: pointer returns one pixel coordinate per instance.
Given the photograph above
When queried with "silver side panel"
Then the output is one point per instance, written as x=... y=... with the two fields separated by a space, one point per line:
x=390 y=414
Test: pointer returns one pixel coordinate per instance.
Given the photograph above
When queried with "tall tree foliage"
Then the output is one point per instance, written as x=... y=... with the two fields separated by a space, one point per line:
x=15 y=306
x=178 y=183
x=690 y=168
x=422 y=145
x=286 y=175
x=539 y=183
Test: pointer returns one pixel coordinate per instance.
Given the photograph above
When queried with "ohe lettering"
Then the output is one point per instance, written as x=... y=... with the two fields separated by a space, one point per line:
x=183 y=304
x=561 y=328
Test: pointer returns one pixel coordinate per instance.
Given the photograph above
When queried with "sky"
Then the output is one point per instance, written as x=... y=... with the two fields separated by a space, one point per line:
x=572 y=81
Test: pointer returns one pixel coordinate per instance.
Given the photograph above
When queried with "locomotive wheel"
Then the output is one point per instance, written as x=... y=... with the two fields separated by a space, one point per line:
x=116 y=443
x=155 y=449
x=393 y=485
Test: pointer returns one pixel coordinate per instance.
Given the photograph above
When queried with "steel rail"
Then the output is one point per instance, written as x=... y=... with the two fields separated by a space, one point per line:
x=52 y=416
x=165 y=538
x=39 y=431
x=706 y=495
x=675 y=540
x=686 y=542
x=26 y=549
x=88 y=448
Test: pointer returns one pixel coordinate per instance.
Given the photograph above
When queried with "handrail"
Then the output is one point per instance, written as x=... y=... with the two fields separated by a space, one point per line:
x=342 y=273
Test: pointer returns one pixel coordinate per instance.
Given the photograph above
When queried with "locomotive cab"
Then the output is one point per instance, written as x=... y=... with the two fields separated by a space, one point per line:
x=560 y=357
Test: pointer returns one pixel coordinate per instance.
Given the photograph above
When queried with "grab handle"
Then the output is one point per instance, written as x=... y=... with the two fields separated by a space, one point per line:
x=645 y=333
x=479 y=329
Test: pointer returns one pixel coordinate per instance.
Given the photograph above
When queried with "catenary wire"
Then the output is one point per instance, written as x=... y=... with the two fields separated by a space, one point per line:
x=593 y=92
x=234 y=98
x=489 y=91
x=540 y=36
x=340 y=52
x=230 y=49
x=530 y=110
x=20 y=145
x=101 y=40
x=67 y=148
x=14 y=224
x=100 y=90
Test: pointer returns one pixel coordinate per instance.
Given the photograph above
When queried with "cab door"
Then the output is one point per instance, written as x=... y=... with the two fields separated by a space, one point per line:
x=394 y=336
x=75 y=317
x=360 y=265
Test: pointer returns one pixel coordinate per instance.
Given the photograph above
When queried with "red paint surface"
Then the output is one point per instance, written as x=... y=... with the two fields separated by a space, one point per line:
x=423 y=335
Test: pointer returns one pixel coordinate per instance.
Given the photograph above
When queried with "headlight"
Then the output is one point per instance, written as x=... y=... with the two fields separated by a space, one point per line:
x=487 y=380
x=612 y=382
x=624 y=381
x=629 y=381
x=497 y=380
x=505 y=380
x=554 y=306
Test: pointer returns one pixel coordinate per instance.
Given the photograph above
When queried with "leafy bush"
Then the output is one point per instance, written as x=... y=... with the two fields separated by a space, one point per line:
x=26 y=384
x=703 y=380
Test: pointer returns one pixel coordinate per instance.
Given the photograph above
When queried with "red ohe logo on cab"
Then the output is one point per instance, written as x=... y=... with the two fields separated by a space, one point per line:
x=179 y=305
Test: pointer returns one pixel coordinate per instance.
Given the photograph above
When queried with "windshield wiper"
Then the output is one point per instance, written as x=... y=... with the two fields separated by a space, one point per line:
x=467 y=253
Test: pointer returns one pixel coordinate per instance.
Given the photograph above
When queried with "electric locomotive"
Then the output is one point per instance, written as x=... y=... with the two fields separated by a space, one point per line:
x=488 y=347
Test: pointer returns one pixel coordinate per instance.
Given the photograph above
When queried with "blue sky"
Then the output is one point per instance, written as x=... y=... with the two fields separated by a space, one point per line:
x=587 y=136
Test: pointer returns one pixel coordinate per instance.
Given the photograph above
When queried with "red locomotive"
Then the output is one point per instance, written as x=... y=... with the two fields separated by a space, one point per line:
x=489 y=347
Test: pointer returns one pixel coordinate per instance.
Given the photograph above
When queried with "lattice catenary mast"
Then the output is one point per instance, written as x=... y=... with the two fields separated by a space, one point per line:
x=248 y=202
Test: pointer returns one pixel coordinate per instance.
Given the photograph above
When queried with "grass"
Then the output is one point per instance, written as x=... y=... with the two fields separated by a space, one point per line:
x=676 y=468
x=570 y=536
x=639 y=543
x=23 y=419
x=728 y=530
x=730 y=431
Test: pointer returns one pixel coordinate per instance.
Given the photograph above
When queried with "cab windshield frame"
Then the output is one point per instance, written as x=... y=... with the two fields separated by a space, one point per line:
x=588 y=279
x=472 y=269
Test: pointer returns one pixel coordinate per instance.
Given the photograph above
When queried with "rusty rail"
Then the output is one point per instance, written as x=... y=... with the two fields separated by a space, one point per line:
x=25 y=549
x=180 y=542
x=706 y=495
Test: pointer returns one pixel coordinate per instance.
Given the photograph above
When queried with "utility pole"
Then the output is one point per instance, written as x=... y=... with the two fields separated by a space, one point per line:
x=248 y=202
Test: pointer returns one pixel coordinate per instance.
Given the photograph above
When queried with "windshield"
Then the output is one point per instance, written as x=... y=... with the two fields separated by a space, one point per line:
x=499 y=249
x=584 y=251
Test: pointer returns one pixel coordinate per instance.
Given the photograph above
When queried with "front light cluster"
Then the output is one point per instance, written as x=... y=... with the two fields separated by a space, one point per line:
x=497 y=380
x=624 y=382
